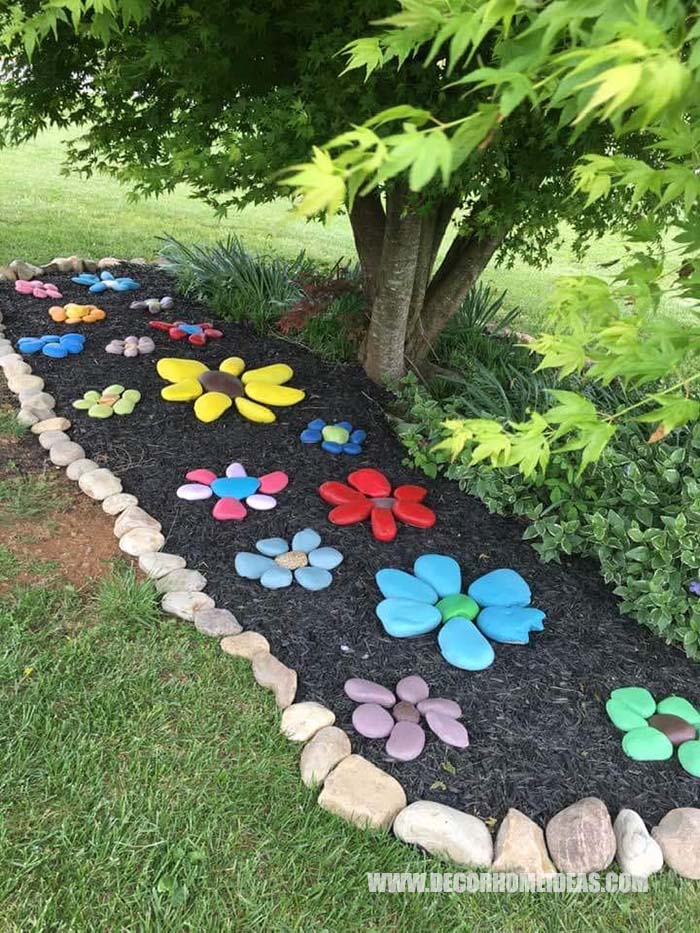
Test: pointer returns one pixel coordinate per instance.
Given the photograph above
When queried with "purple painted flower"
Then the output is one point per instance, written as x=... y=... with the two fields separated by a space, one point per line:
x=694 y=588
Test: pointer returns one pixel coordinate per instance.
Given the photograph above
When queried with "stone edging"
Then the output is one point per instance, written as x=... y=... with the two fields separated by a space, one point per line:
x=580 y=839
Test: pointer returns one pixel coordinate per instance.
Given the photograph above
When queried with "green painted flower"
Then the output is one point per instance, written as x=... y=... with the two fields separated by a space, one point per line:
x=653 y=730
x=114 y=400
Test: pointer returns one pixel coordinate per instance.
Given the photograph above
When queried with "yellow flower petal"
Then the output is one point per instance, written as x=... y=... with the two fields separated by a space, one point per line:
x=211 y=406
x=275 y=374
x=184 y=391
x=173 y=369
x=253 y=412
x=273 y=394
x=233 y=365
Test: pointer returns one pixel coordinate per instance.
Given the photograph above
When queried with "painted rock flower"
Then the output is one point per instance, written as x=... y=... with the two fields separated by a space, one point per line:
x=431 y=596
x=105 y=281
x=232 y=490
x=196 y=334
x=653 y=731
x=215 y=391
x=37 y=289
x=338 y=437
x=278 y=563
x=369 y=495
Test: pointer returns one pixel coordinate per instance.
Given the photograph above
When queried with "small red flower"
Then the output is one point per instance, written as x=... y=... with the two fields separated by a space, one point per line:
x=196 y=334
x=369 y=495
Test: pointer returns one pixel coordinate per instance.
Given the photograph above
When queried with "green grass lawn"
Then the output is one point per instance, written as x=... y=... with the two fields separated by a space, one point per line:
x=144 y=786
x=44 y=214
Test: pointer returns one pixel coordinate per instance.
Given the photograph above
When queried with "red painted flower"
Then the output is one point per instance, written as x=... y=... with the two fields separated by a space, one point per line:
x=369 y=495
x=196 y=334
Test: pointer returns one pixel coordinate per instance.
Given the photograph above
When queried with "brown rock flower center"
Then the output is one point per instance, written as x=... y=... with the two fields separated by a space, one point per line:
x=221 y=382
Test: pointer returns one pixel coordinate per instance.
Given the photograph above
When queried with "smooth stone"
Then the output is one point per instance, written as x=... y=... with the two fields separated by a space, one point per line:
x=100 y=483
x=216 y=623
x=245 y=645
x=51 y=424
x=405 y=618
x=157 y=564
x=358 y=437
x=313 y=578
x=309 y=436
x=412 y=689
x=689 y=757
x=185 y=605
x=272 y=547
x=353 y=449
x=181 y=581
x=675 y=729
x=276 y=578
x=237 y=487
x=228 y=509
x=26 y=417
x=502 y=587
x=397 y=584
x=326 y=558
x=193 y=491
x=678 y=834
x=637 y=853
x=360 y=793
x=140 y=540
x=261 y=502
x=440 y=572
x=21 y=381
x=35 y=399
x=406 y=742
x=520 y=847
x=318 y=424
x=100 y=411
x=638 y=699
x=623 y=716
x=332 y=448
x=78 y=468
x=66 y=452
x=49 y=438
x=335 y=434
x=367 y=691
x=679 y=706
x=580 y=838
x=211 y=406
x=234 y=470
x=307 y=540
x=113 y=505
x=272 y=483
x=462 y=645
x=510 y=625
x=447 y=729
x=38 y=414
x=646 y=744
x=252 y=566
x=329 y=746
x=446 y=833
x=372 y=721
x=457 y=605
x=205 y=477
x=55 y=351
x=301 y=721
x=134 y=517
x=405 y=712
x=272 y=674
x=440 y=705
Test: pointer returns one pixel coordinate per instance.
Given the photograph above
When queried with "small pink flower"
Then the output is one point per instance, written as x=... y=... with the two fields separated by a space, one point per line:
x=233 y=489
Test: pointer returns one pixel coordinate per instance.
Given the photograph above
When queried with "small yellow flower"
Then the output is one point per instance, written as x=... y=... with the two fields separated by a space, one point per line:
x=215 y=391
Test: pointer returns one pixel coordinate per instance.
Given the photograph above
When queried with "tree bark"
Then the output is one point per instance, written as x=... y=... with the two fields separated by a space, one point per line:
x=368 y=222
x=464 y=262
x=384 y=357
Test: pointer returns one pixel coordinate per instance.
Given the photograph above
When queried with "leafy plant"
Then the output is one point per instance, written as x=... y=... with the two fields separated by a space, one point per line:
x=240 y=285
x=335 y=333
x=637 y=513
x=482 y=310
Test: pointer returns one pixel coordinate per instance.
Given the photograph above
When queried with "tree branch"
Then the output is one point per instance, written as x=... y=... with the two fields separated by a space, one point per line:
x=368 y=222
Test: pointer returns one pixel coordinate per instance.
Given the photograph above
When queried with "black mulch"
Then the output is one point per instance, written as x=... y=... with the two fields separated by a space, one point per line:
x=540 y=737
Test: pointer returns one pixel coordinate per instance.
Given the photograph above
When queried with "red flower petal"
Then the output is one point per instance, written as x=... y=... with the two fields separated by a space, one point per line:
x=201 y=476
x=272 y=483
x=413 y=513
x=339 y=493
x=370 y=482
x=229 y=509
x=176 y=334
x=197 y=340
x=350 y=513
x=211 y=332
x=160 y=325
x=410 y=493
x=383 y=524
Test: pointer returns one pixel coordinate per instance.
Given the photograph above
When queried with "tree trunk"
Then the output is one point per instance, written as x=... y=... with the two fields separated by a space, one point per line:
x=368 y=222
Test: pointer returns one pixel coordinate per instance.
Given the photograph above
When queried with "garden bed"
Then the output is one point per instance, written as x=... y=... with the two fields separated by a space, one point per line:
x=540 y=737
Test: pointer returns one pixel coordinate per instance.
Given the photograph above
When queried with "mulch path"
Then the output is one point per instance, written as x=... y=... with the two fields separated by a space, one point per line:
x=540 y=738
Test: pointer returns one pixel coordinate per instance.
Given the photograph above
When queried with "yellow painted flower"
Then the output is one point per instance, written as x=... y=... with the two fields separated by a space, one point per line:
x=214 y=391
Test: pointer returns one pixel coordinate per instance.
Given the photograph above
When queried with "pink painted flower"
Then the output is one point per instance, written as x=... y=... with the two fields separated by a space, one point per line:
x=37 y=289
x=233 y=489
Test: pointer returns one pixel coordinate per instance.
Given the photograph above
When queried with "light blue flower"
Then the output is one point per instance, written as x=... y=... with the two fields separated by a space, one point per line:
x=431 y=596
x=336 y=438
x=104 y=281
x=278 y=564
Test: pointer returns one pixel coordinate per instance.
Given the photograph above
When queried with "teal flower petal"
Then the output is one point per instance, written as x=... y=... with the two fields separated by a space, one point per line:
x=463 y=645
x=397 y=584
x=404 y=618
x=441 y=572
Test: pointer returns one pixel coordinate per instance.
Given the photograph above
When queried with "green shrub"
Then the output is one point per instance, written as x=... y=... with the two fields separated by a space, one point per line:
x=333 y=334
x=637 y=513
x=239 y=285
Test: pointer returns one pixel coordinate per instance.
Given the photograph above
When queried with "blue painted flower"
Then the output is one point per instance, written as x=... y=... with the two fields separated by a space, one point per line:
x=337 y=438
x=431 y=596
x=278 y=564
x=104 y=281
x=52 y=345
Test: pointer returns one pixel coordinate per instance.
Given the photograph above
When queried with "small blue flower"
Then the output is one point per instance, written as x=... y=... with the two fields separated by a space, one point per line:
x=337 y=438
x=278 y=564
x=104 y=281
